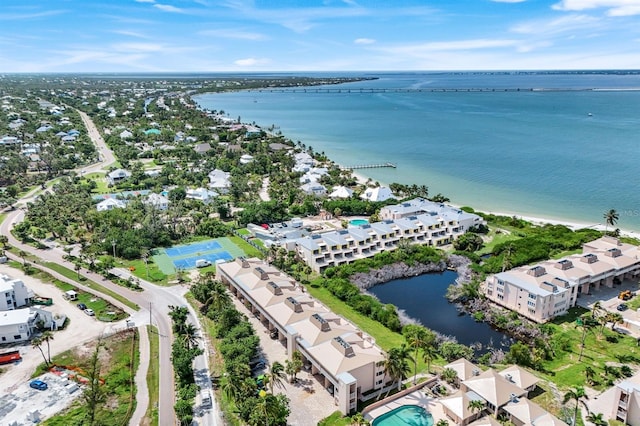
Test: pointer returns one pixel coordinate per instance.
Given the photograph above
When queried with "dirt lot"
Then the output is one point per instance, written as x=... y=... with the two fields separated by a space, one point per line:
x=81 y=328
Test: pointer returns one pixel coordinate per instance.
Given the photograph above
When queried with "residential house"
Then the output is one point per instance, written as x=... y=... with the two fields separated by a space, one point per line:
x=494 y=389
x=464 y=369
x=343 y=359
x=201 y=194
x=219 y=181
x=246 y=159
x=202 y=148
x=126 y=134
x=380 y=193
x=158 y=201
x=457 y=407
x=523 y=412
x=110 y=204
x=19 y=325
x=314 y=188
x=117 y=176
x=341 y=192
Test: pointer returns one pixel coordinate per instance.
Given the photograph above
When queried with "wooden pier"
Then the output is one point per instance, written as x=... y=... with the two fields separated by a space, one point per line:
x=370 y=166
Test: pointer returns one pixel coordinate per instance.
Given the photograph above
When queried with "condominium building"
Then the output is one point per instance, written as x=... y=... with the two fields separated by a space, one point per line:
x=548 y=289
x=626 y=407
x=433 y=228
x=342 y=358
x=13 y=293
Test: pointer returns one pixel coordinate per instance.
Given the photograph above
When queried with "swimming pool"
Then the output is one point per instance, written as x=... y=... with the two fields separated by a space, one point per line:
x=358 y=222
x=413 y=415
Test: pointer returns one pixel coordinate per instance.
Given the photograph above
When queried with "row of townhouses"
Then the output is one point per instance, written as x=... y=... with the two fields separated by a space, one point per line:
x=341 y=357
x=502 y=392
x=548 y=289
x=418 y=221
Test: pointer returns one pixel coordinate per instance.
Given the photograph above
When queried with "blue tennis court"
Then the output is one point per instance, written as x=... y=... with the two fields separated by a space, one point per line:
x=190 y=262
x=193 y=248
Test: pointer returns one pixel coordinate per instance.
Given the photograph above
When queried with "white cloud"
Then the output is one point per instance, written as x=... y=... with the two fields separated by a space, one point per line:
x=251 y=62
x=234 y=34
x=26 y=16
x=130 y=34
x=364 y=41
x=613 y=7
x=145 y=1
x=168 y=8
x=508 y=1
x=139 y=47
x=460 y=45
x=557 y=25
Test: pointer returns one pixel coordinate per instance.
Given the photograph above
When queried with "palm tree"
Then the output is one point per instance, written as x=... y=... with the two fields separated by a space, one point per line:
x=23 y=255
x=358 y=420
x=576 y=394
x=597 y=307
x=189 y=335
x=442 y=422
x=476 y=406
x=36 y=342
x=4 y=240
x=47 y=336
x=429 y=353
x=449 y=375
x=589 y=374
x=417 y=338
x=597 y=419
x=616 y=318
x=276 y=375
x=610 y=217
x=586 y=323
x=396 y=365
x=506 y=257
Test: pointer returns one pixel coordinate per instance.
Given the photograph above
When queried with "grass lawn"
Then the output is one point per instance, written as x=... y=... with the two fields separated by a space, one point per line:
x=155 y=275
x=101 y=182
x=3 y=216
x=153 y=378
x=118 y=362
x=72 y=275
x=497 y=238
x=246 y=247
x=335 y=419
x=243 y=231
x=602 y=346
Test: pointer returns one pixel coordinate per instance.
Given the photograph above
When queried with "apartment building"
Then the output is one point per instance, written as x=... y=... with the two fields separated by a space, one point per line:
x=341 y=357
x=543 y=291
x=626 y=407
x=13 y=293
x=358 y=242
x=446 y=214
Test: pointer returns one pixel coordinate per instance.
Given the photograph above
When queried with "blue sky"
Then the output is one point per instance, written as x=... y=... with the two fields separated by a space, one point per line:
x=316 y=35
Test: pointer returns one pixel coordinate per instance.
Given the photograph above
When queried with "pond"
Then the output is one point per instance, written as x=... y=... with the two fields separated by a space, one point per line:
x=423 y=298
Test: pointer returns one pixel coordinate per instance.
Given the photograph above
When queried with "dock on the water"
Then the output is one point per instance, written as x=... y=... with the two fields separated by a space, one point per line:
x=369 y=166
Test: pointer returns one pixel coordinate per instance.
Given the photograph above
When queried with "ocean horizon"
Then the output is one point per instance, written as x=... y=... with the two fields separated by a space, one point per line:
x=557 y=145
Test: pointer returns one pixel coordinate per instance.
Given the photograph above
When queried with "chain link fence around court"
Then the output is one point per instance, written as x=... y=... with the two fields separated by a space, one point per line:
x=184 y=256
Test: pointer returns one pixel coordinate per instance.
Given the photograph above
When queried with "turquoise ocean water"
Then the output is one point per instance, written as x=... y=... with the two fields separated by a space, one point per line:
x=555 y=153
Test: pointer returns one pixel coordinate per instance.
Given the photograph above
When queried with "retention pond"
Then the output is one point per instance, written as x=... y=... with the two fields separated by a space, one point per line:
x=423 y=298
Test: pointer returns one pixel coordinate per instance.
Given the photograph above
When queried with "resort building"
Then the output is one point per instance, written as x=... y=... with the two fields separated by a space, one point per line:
x=341 y=357
x=335 y=248
x=110 y=204
x=626 y=407
x=543 y=291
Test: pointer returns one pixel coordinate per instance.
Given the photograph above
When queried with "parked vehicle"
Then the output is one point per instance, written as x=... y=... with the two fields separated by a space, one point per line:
x=201 y=263
x=81 y=306
x=46 y=301
x=38 y=384
x=89 y=312
x=7 y=357
x=625 y=295
x=622 y=307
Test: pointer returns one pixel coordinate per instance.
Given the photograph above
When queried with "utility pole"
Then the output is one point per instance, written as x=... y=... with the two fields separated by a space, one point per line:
x=150 y=314
x=113 y=244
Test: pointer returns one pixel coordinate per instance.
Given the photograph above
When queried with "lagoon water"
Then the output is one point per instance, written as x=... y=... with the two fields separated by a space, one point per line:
x=561 y=154
x=422 y=298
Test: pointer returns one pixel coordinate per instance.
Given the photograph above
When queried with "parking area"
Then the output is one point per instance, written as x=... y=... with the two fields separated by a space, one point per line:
x=25 y=405
x=310 y=402
x=609 y=300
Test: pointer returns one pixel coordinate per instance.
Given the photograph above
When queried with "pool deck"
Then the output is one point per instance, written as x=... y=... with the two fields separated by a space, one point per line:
x=419 y=398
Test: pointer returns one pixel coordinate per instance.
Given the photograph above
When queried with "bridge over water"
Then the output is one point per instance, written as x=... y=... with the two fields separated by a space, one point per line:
x=418 y=90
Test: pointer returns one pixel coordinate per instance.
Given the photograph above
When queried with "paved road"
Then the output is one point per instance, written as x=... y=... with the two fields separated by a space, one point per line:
x=154 y=302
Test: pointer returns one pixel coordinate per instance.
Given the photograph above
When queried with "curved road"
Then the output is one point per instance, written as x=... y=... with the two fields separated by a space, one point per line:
x=154 y=302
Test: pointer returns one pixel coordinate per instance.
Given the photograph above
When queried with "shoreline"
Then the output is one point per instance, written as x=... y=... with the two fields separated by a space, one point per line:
x=535 y=219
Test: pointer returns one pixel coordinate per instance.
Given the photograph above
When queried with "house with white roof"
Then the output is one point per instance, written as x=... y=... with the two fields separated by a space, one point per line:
x=341 y=192
x=246 y=159
x=380 y=193
x=314 y=188
x=19 y=325
x=117 y=176
x=314 y=174
x=126 y=134
x=219 y=181
x=345 y=361
x=523 y=412
x=201 y=194
x=157 y=201
x=110 y=204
